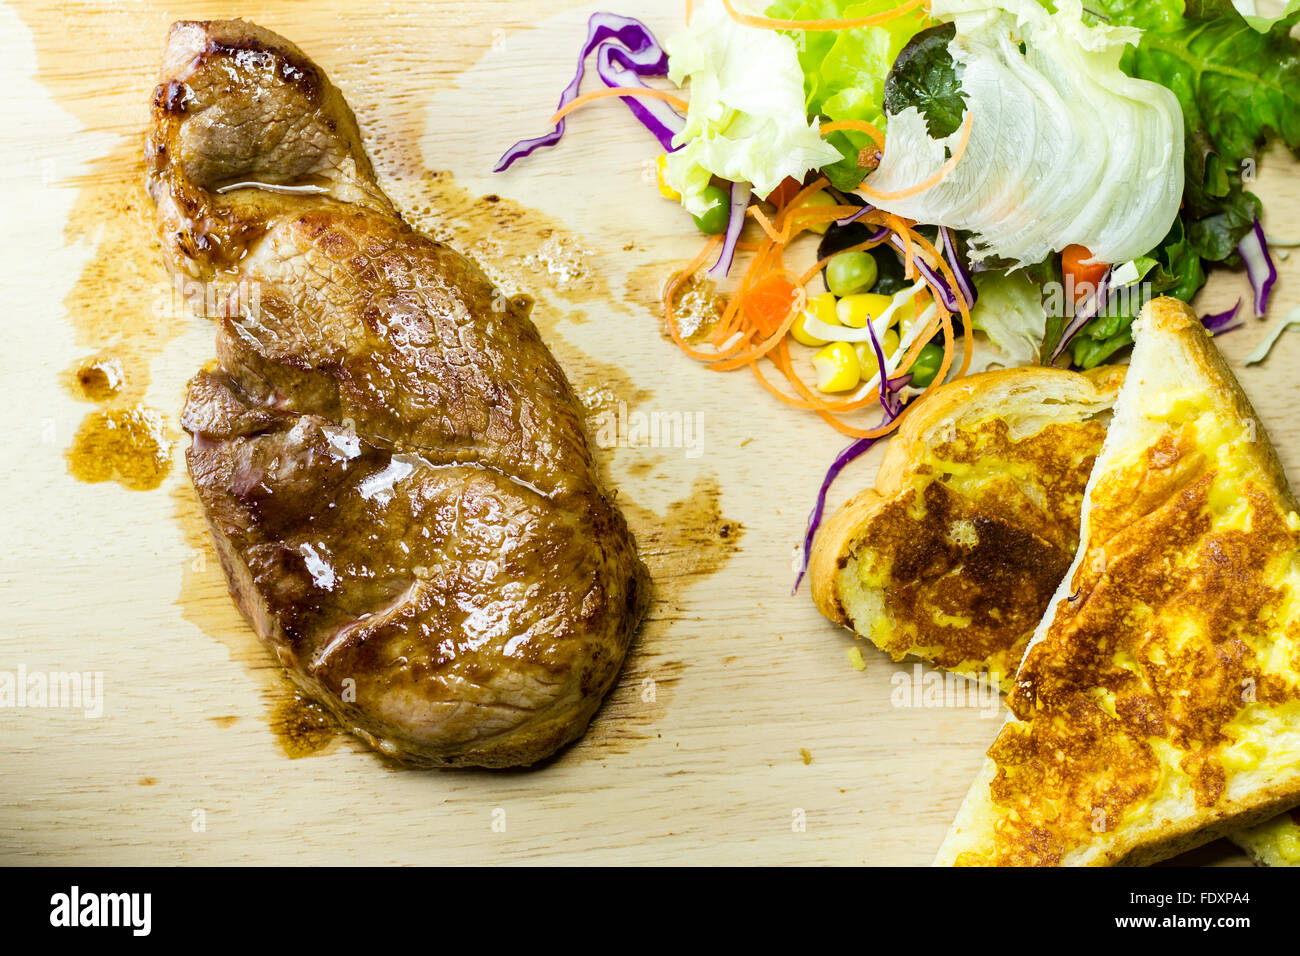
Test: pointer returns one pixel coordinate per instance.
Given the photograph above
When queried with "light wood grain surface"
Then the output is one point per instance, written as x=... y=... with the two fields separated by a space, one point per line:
x=738 y=717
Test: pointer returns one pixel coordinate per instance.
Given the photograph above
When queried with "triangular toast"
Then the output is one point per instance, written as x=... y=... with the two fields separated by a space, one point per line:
x=1158 y=704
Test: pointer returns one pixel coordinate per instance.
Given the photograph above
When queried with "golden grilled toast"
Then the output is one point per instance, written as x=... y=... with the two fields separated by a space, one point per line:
x=955 y=554
x=1158 y=704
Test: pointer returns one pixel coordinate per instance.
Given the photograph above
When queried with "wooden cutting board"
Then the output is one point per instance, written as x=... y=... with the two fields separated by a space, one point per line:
x=739 y=732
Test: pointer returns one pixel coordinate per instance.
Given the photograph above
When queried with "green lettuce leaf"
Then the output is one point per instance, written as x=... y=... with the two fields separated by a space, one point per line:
x=845 y=70
x=1009 y=310
x=1237 y=78
x=925 y=76
x=1263 y=24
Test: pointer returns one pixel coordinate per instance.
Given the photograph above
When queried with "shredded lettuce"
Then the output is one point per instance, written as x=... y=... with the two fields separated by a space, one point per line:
x=1064 y=147
x=1010 y=311
x=747 y=120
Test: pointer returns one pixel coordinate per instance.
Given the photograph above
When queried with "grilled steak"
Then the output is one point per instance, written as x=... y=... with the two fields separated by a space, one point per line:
x=394 y=468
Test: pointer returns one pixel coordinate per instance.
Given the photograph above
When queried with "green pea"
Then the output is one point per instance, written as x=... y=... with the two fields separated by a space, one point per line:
x=713 y=221
x=851 y=272
x=926 y=366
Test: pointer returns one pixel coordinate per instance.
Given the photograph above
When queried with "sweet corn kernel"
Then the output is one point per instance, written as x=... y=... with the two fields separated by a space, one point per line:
x=820 y=307
x=867 y=365
x=818 y=200
x=837 y=368
x=857 y=310
x=661 y=173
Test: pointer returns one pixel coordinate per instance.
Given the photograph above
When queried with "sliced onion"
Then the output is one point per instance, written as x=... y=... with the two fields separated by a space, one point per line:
x=836 y=333
x=1220 y=322
x=629 y=51
x=1261 y=353
x=1259 y=266
x=740 y=193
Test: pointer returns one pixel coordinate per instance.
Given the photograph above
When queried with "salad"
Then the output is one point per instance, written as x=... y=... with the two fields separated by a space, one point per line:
x=879 y=181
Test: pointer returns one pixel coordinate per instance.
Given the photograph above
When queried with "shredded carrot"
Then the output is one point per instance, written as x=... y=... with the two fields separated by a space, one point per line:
x=819 y=26
x=805 y=218
x=909 y=252
x=768 y=303
x=586 y=98
x=744 y=357
x=766 y=223
x=767 y=299
x=934 y=180
x=860 y=126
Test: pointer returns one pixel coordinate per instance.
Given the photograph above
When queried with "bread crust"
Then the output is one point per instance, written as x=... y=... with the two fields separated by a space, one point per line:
x=971 y=399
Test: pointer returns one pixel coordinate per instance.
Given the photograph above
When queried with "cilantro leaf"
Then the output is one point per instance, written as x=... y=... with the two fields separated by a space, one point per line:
x=925 y=76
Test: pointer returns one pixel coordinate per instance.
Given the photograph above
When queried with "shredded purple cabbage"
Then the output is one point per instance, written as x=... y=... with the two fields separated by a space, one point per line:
x=842 y=461
x=1221 y=322
x=855 y=217
x=627 y=50
x=892 y=405
x=964 y=284
x=936 y=280
x=1091 y=309
x=889 y=399
x=740 y=193
x=1259 y=266
x=619 y=69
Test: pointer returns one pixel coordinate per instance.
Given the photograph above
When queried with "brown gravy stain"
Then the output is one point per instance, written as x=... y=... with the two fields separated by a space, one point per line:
x=127 y=445
x=518 y=247
x=303 y=727
x=688 y=540
x=122 y=306
x=98 y=378
x=697 y=303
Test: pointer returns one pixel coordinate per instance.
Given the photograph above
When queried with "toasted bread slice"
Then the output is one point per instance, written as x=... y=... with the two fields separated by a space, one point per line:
x=1158 y=704
x=955 y=554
